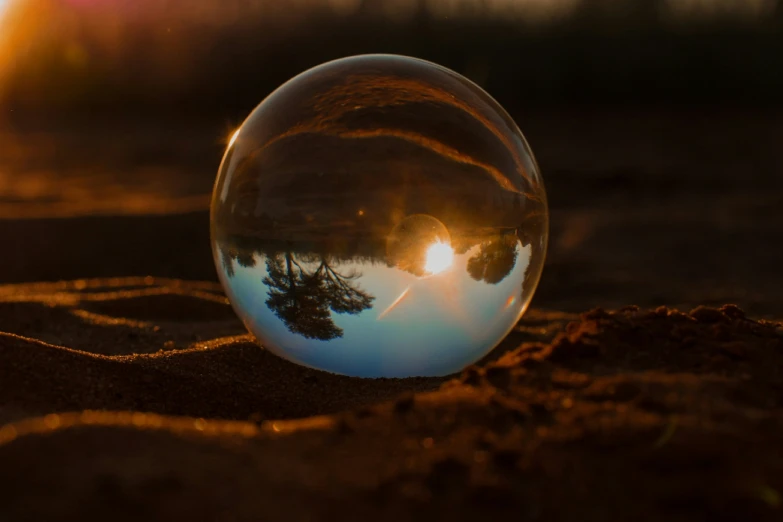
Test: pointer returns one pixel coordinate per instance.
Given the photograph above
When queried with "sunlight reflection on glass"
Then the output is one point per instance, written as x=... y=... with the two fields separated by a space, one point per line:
x=439 y=257
x=233 y=138
x=394 y=304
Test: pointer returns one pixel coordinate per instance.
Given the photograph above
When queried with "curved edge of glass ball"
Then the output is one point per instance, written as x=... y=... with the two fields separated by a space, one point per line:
x=379 y=216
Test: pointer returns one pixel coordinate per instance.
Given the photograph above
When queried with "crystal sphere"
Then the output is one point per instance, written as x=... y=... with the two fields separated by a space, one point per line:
x=379 y=216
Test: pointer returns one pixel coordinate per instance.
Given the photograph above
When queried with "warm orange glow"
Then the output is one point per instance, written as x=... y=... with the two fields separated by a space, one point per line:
x=18 y=18
x=5 y=29
x=440 y=256
x=233 y=138
x=4 y=4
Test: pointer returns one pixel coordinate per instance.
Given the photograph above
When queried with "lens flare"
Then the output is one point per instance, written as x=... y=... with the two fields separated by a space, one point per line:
x=440 y=256
x=3 y=6
x=18 y=21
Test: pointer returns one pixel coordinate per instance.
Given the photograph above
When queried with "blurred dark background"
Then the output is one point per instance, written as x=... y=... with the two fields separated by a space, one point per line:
x=656 y=124
x=220 y=57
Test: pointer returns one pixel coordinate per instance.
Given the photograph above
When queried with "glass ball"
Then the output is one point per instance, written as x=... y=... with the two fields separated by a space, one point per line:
x=379 y=216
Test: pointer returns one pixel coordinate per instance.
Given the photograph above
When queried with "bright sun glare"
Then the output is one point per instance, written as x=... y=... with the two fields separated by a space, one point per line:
x=233 y=136
x=439 y=257
x=3 y=6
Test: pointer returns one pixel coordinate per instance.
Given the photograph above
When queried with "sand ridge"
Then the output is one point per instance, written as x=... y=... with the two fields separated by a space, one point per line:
x=143 y=398
x=647 y=408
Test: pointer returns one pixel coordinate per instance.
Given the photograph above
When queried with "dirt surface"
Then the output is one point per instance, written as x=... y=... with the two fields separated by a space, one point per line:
x=129 y=390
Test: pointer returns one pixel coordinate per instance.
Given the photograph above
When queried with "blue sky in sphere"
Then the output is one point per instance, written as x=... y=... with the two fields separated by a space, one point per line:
x=443 y=323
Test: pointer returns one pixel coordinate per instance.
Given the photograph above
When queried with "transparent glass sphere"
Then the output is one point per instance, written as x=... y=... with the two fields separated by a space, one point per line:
x=379 y=216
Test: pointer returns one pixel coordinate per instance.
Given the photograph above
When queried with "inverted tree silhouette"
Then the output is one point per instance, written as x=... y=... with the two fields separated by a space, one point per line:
x=245 y=258
x=304 y=299
x=495 y=259
x=227 y=256
x=231 y=251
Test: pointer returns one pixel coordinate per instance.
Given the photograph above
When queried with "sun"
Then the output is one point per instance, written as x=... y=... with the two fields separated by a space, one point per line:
x=439 y=257
x=234 y=136
x=5 y=8
x=15 y=24
x=4 y=4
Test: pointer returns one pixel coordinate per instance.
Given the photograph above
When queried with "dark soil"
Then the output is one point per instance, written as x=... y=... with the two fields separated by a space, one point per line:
x=129 y=391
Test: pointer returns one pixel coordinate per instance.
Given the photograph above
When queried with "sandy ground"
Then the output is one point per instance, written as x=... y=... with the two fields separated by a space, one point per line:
x=129 y=391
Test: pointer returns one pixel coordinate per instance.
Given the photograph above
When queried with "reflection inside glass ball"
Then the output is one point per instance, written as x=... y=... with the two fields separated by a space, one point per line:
x=379 y=216
x=438 y=258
